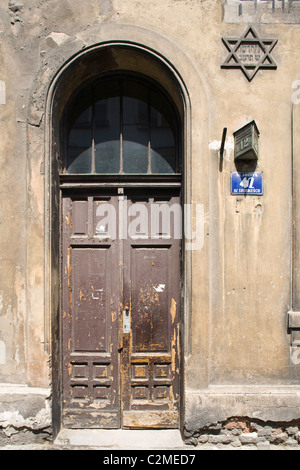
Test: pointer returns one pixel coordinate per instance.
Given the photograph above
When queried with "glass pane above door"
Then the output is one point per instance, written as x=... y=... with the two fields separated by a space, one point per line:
x=122 y=126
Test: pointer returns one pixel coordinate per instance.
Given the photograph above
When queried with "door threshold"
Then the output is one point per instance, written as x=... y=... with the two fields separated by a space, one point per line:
x=138 y=439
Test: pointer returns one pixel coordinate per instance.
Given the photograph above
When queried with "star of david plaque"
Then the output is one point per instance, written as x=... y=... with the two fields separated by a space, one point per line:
x=249 y=53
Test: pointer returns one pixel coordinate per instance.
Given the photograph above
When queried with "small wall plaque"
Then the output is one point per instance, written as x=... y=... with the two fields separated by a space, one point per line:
x=249 y=53
x=246 y=142
x=250 y=183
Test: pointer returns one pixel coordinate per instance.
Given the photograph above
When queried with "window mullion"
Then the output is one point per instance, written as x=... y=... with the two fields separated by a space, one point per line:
x=149 y=131
x=121 y=129
x=93 y=129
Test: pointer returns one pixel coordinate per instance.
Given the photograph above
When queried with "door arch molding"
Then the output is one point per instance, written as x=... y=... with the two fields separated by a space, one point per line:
x=149 y=59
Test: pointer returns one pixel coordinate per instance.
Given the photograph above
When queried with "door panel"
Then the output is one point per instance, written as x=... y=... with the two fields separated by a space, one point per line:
x=90 y=322
x=151 y=349
x=150 y=266
x=120 y=312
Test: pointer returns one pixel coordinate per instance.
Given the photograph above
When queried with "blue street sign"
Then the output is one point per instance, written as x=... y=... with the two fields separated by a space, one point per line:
x=247 y=183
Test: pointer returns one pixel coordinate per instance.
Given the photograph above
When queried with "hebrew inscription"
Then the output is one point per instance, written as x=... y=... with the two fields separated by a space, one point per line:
x=249 y=53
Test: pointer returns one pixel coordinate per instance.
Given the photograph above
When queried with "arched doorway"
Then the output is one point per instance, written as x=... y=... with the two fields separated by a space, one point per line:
x=120 y=171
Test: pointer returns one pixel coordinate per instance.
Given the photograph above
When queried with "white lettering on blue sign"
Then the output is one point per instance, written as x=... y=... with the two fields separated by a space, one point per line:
x=247 y=183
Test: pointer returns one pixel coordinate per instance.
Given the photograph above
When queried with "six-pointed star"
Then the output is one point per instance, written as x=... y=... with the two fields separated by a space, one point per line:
x=263 y=60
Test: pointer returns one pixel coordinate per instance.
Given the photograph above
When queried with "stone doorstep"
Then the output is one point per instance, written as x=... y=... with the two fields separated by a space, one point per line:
x=121 y=439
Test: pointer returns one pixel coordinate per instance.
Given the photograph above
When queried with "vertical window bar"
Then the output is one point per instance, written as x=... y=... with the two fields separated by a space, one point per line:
x=93 y=170
x=149 y=131
x=121 y=127
x=177 y=141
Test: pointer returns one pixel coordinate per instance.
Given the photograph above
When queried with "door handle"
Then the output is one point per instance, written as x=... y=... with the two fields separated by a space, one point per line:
x=126 y=320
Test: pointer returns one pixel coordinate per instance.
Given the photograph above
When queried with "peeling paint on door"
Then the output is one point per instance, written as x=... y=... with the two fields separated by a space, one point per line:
x=116 y=376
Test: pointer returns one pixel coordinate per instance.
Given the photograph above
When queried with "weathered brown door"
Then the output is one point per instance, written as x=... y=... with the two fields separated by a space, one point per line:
x=121 y=308
x=150 y=355
x=90 y=305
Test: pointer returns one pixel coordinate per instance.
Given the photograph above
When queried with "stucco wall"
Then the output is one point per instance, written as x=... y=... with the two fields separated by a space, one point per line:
x=238 y=285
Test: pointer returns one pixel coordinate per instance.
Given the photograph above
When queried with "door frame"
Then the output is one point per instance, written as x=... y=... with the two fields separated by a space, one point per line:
x=132 y=418
x=59 y=84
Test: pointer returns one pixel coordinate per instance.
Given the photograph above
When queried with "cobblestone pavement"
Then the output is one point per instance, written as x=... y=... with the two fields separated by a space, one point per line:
x=189 y=449
x=142 y=440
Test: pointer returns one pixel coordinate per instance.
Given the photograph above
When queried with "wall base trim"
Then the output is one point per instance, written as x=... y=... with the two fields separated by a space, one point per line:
x=219 y=403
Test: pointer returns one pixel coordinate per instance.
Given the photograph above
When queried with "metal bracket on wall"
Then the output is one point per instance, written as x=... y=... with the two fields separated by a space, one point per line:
x=222 y=147
x=294 y=327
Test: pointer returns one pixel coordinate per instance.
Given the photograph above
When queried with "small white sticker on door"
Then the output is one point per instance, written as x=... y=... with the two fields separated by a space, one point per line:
x=160 y=287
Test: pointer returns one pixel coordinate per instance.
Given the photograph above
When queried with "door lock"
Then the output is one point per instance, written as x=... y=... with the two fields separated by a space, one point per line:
x=126 y=320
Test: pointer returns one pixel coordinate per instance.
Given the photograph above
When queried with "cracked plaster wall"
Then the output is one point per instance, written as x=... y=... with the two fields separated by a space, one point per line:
x=239 y=317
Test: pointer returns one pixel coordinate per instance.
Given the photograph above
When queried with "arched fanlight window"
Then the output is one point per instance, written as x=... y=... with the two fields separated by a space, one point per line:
x=122 y=126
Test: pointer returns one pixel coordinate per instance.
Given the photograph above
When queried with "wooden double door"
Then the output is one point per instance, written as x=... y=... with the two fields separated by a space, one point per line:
x=120 y=308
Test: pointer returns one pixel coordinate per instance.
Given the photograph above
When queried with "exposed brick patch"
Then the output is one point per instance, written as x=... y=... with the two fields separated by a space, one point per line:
x=238 y=432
